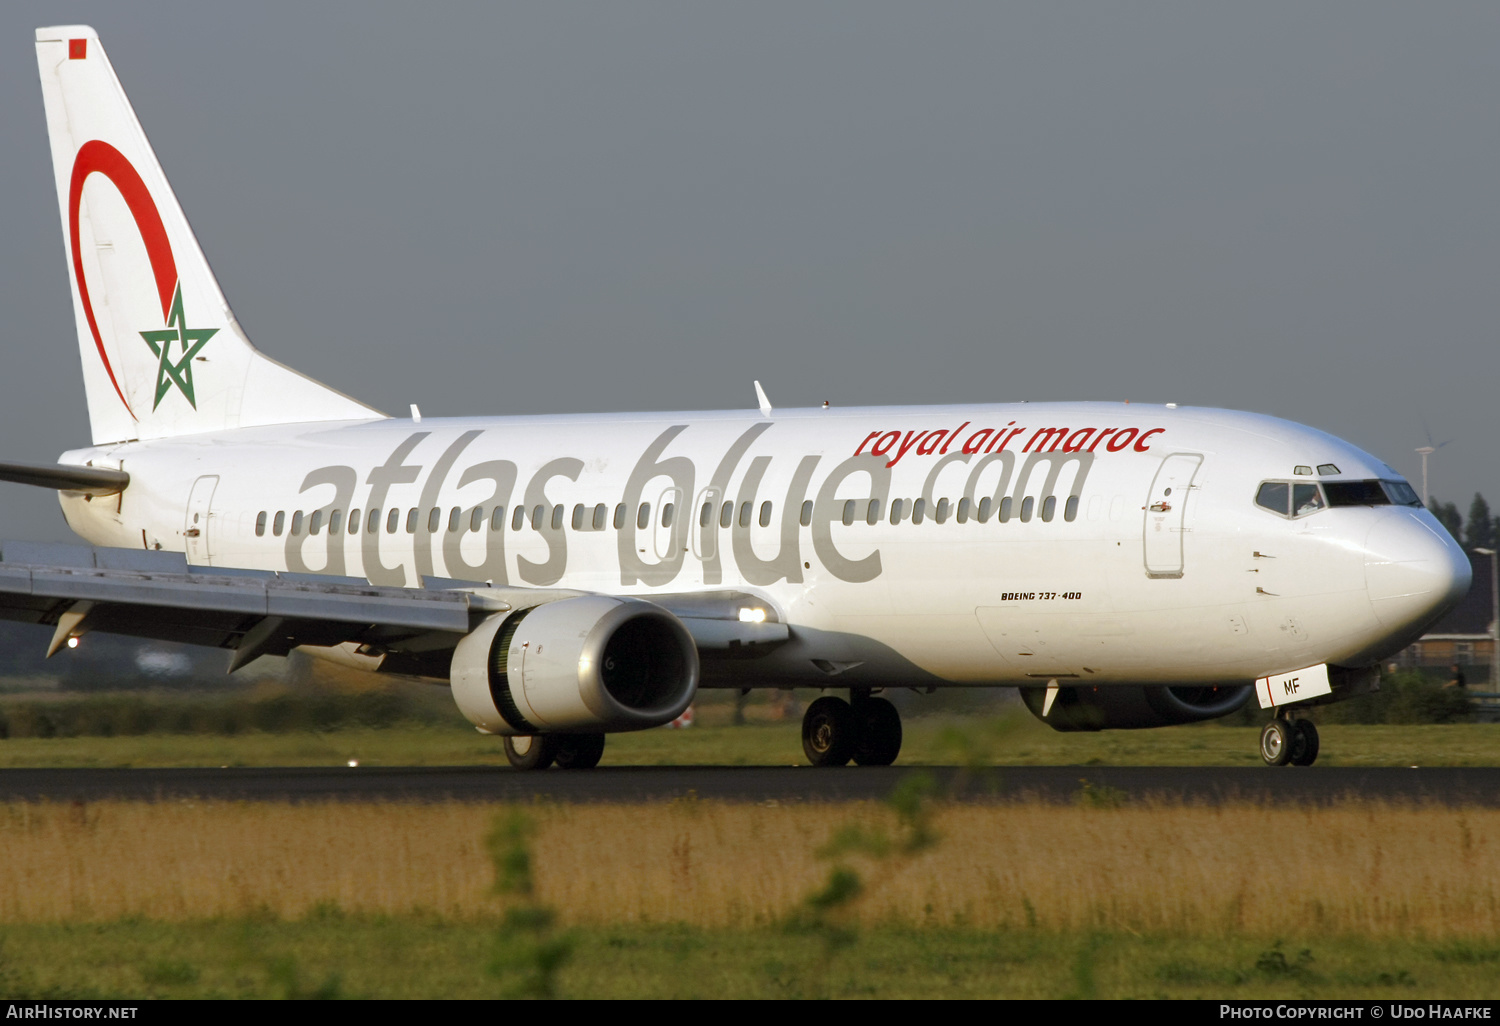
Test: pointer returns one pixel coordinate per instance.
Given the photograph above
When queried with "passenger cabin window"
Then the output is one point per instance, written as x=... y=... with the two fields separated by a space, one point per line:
x=601 y=515
x=965 y=506
x=807 y=510
x=578 y=517
x=393 y=521
x=643 y=516
x=454 y=515
x=872 y=515
x=518 y=518
x=315 y=522
x=411 y=521
x=620 y=517
x=765 y=514
x=918 y=510
x=1027 y=504
x=297 y=522
x=1070 y=511
x=557 y=517
x=373 y=524
x=1005 y=507
x=279 y=524
x=985 y=504
x=476 y=519
x=1049 y=509
x=848 y=517
x=898 y=508
x=726 y=514
x=942 y=511
x=745 y=514
x=335 y=521
x=260 y=525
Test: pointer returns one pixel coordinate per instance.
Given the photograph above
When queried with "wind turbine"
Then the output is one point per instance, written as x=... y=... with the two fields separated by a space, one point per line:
x=1426 y=451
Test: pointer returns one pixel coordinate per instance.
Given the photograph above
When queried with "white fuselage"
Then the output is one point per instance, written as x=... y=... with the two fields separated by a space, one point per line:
x=1099 y=543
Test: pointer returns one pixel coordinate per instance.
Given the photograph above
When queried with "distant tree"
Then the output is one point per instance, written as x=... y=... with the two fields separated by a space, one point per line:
x=1448 y=515
x=1480 y=531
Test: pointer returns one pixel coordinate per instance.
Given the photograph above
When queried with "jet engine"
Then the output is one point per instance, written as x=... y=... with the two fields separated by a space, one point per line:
x=590 y=664
x=1125 y=708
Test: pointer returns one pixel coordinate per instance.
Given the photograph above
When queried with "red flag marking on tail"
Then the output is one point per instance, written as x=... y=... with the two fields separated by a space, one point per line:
x=78 y=49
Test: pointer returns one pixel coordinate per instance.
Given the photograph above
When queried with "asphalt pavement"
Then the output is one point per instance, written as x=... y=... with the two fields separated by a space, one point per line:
x=1195 y=784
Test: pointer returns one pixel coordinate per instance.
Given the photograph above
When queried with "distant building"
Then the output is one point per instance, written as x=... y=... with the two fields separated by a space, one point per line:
x=1464 y=636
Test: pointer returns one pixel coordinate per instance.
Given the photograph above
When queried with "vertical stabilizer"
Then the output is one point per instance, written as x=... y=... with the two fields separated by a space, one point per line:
x=162 y=352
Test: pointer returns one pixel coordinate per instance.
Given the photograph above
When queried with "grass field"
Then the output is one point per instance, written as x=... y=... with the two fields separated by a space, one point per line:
x=1007 y=739
x=716 y=899
x=331 y=954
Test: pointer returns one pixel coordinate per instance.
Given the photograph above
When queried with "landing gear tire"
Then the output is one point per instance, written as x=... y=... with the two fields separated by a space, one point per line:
x=1276 y=742
x=1304 y=743
x=830 y=732
x=534 y=752
x=879 y=732
x=579 y=751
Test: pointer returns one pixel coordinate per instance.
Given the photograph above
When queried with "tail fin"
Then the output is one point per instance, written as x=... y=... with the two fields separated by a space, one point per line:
x=162 y=352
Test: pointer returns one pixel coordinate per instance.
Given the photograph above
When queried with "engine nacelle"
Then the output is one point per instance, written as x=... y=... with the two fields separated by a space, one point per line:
x=1127 y=707
x=580 y=665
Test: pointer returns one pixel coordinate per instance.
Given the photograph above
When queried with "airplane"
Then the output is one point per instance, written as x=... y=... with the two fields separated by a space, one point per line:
x=1123 y=565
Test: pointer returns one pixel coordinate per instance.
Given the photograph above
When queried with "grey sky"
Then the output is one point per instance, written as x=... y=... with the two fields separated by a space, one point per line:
x=1287 y=208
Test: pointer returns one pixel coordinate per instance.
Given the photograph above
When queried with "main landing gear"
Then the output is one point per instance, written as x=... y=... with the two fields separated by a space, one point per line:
x=1291 y=742
x=865 y=729
x=568 y=751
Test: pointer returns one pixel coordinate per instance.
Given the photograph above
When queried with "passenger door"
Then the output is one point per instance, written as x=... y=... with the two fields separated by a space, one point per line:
x=1166 y=507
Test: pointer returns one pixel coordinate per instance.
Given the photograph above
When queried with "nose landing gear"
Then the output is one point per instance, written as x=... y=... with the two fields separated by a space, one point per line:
x=865 y=729
x=1289 y=742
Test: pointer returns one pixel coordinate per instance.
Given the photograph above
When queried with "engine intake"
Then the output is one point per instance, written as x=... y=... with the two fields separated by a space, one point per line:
x=1126 y=708
x=580 y=665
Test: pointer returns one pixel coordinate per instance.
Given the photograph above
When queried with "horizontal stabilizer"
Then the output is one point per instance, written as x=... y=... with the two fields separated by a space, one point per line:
x=88 y=480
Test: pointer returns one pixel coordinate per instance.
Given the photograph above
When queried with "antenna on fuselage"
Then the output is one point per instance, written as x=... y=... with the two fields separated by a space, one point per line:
x=765 y=404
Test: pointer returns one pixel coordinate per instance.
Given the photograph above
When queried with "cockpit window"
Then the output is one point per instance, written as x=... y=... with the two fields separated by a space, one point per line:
x=1297 y=498
x=1305 y=499
x=1355 y=493
x=1289 y=498
x=1274 y=496
x=1401 y=493
x=1370 y=493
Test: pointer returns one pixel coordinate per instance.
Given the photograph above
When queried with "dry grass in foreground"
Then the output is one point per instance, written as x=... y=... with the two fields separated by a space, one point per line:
x=1361 y=869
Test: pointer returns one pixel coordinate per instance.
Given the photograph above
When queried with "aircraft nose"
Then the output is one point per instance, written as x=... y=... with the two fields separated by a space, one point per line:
x=1414 y=570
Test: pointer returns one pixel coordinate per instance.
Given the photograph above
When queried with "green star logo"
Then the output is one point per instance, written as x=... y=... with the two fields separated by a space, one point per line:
x=191 y=339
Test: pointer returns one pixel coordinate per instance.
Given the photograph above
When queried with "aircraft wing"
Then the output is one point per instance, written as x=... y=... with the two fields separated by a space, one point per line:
x=157 y=595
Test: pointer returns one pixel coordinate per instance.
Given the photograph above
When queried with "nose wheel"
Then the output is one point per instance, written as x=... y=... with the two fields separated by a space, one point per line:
x=1289 y=743
x=866 y=730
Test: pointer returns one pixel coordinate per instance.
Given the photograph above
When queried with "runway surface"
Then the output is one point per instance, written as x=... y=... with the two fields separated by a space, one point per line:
x=1199 y=784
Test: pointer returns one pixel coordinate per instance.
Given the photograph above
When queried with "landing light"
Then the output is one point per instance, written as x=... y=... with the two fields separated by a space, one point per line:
x=752 y=616
x=72 y=642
